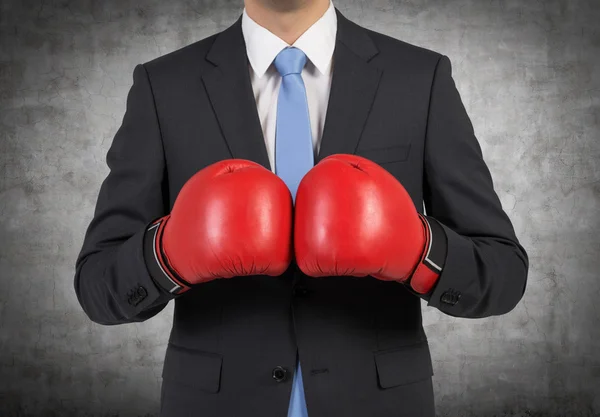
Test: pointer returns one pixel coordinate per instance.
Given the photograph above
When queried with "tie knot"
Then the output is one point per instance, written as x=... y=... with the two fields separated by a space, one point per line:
x=290 y=61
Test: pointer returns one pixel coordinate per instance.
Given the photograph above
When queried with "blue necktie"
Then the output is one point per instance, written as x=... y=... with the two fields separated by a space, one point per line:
x=293 y=140
x=293 y=157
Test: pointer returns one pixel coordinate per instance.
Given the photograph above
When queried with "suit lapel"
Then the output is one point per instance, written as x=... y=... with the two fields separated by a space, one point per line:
x=353 y=89
x=230 y=91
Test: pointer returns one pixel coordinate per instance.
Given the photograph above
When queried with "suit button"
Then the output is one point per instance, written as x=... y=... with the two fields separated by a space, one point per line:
x=450 y=297
x=301 y=292
x=279 y=373
x=136 y=295
x=141 y=292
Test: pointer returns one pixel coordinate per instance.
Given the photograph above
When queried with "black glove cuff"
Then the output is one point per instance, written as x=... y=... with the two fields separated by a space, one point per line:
x=157 y=263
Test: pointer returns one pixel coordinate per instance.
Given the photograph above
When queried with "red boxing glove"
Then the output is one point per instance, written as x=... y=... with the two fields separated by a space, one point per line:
x=354 y=218
x=232 y=218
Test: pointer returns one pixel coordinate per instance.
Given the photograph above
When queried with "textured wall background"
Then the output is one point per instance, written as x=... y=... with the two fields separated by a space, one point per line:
x=529 y=73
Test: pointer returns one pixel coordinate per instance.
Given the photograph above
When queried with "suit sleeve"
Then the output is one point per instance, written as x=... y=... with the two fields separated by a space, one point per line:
x=112 y=281
x=485 y=268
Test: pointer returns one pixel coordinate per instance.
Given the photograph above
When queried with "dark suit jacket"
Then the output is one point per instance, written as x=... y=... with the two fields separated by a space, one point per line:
x=360 y=340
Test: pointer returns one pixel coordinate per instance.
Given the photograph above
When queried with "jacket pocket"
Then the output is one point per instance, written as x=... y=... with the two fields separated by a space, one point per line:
x=196 y=369
x=403 y=365
x=385 y=155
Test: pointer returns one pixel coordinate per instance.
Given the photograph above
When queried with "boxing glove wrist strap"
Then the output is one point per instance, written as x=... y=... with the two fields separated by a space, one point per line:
x=157 y=262
x=430 y=266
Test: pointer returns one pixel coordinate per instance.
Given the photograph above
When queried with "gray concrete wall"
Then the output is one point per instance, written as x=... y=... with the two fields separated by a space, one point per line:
x=529 y=73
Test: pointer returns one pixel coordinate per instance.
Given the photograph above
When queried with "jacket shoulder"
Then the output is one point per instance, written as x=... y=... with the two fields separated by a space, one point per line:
x=393 y=51
x=189 y=56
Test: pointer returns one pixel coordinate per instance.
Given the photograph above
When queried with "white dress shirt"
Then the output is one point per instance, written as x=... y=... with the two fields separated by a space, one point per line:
x=262 y=47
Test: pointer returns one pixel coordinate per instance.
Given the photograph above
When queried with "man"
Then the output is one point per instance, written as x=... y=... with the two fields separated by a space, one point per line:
x=296 y=118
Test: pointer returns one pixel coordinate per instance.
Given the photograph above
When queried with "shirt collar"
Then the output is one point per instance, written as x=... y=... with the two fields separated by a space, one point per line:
x=317 y=42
